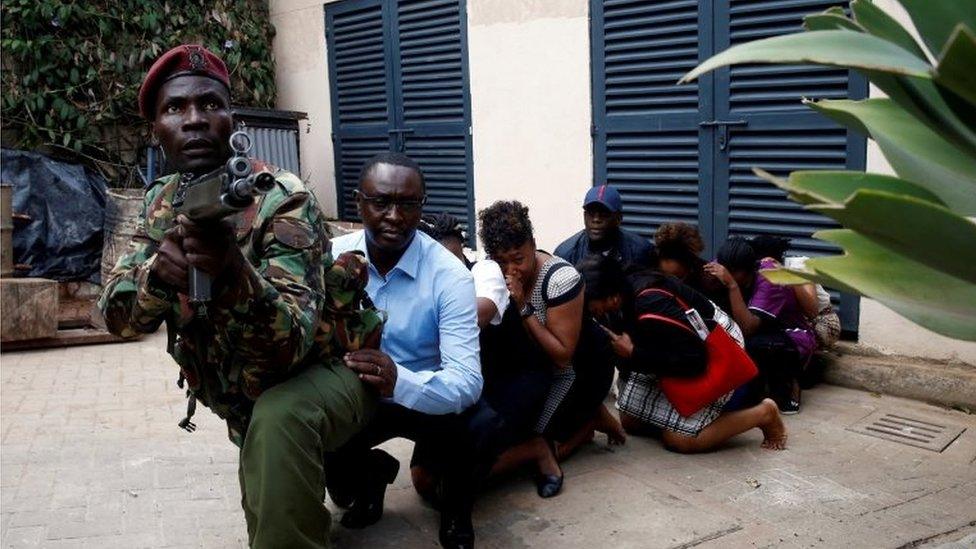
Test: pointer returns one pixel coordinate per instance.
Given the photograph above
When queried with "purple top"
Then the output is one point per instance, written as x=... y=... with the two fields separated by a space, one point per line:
x=780 y=302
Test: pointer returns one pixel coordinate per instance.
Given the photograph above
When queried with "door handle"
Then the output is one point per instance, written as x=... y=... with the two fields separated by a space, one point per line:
x=400 y=133
x=723 y=130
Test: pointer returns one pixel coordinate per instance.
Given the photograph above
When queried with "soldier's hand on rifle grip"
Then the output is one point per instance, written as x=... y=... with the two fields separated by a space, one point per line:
x=210 y=247
x=171 y=265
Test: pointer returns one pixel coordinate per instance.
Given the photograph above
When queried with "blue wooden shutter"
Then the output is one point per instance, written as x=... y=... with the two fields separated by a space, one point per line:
x=360 y=77
x=776 y=132
x=433 y=107
x=645 y=128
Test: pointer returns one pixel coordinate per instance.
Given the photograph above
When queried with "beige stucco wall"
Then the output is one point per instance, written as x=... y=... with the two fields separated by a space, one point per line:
x=530 y=100
x=531 y=109
x=302 y=74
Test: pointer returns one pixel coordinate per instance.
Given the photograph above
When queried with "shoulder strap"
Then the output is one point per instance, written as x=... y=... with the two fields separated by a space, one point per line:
x=662 y=318
x=669 y=320
x=662 y=291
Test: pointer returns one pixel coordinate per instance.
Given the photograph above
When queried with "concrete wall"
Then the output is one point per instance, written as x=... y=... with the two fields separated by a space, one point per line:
x=529 y=63
x=302 y=74
x=530 y=102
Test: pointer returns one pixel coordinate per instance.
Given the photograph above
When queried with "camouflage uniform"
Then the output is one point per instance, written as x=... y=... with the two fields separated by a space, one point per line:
x=266 y=354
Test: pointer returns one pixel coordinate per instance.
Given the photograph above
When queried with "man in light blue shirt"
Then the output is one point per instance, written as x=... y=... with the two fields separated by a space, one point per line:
x=427 y=370
x=431 y=332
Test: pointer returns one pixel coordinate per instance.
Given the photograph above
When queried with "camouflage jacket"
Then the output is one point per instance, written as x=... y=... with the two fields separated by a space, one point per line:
x=291 y=306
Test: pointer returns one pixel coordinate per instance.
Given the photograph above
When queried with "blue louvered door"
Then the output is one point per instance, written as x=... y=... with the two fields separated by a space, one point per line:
x=400 y=82
x=770 y=128
x=361 y=79
x=645 y=129
x=685 y=153
x=432 y=103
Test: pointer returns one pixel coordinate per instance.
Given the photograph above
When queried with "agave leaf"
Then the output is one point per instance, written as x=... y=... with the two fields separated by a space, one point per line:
x=916 y=153
x=924 y=100
x=939 y=302
x=919 y=96
x=795 y=277
x=957 y=66
x=786 y=277
x=875 y=21
x=836 y=187
x=830 y=20
x=936 y=19
x=916 y=229
x=842 y=48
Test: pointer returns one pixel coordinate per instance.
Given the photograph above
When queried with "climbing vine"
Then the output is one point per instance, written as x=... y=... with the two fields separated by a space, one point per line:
x=71 y=69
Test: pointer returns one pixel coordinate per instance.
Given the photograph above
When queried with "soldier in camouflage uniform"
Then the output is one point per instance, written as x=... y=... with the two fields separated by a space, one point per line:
x=265 y=353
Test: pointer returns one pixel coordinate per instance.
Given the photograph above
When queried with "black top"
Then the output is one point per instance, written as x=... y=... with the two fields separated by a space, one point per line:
x=660 y=347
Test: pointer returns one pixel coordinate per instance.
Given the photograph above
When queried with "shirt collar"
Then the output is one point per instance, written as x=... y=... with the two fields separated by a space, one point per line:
x=410 y=260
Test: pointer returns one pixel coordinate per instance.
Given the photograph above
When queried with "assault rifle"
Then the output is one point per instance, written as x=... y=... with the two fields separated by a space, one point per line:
x=219 y=194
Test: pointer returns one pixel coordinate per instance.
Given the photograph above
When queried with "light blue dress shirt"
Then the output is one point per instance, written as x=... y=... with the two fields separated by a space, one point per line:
x=431 y=332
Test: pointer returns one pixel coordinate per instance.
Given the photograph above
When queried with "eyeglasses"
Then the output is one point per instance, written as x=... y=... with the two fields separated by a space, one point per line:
x=384 y=204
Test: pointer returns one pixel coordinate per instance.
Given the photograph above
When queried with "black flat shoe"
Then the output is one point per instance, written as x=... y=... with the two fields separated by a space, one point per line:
x=337 y=484
x=456 y=532
x=368 y=507
x=548 y=486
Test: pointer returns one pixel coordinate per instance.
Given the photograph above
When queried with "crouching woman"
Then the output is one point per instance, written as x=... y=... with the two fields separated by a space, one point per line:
x=661 y=349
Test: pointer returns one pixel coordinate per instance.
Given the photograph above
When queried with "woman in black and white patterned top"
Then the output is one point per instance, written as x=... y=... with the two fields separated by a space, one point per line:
x=547 y=292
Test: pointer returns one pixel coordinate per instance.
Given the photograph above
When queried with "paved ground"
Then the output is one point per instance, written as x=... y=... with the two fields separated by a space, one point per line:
x=92 y=457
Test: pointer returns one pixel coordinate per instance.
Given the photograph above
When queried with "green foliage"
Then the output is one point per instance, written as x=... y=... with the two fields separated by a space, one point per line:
x=910 y=240
x=71 y=70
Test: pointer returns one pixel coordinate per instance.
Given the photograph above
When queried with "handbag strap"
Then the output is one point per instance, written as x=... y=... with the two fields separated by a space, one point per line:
x=662 y=291
x=652 y=316
x=669 y=320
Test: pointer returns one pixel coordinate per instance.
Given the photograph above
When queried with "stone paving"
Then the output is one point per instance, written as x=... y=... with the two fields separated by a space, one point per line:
x=91 y=457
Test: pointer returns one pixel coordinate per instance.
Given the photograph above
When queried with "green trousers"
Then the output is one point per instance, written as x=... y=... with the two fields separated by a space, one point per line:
x=281 y=467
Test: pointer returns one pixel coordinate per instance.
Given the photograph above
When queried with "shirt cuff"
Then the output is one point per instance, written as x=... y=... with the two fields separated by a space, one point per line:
x=409 y=385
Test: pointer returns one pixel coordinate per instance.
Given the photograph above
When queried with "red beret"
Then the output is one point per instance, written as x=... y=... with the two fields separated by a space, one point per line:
x=186 y=59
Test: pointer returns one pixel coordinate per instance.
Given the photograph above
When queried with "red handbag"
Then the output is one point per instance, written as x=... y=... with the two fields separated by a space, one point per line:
x=728 y=368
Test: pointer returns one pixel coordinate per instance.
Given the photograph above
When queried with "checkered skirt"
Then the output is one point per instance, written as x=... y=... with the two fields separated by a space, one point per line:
x=642 y=398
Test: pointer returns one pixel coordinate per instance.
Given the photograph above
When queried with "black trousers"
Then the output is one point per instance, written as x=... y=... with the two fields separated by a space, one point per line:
x=463 y=446
x=779 y=364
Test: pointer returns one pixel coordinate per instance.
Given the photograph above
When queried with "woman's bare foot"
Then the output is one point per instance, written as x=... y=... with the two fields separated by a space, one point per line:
x=774 y=430
x=610 y=426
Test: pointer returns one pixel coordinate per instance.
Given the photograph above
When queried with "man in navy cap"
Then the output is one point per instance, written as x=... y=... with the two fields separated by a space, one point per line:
x=602 y=214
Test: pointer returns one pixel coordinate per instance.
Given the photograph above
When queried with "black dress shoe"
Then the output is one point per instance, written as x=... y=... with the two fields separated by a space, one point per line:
x=367 y=509
x=548 y=486
x=456 y=531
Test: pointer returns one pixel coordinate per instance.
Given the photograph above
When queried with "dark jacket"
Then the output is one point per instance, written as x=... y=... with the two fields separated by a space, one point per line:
x=631 y=248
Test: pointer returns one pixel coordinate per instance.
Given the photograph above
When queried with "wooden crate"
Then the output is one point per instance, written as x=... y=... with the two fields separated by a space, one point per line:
x=30 y=309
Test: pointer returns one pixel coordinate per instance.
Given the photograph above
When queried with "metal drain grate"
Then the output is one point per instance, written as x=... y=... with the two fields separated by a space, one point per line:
x=908 y=430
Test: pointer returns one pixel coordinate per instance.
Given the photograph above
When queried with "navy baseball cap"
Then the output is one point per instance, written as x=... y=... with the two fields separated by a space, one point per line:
x=606 y=195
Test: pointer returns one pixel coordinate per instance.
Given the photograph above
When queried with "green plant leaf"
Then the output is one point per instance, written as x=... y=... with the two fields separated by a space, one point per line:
x=919 y=230
x=835 y=187
x=957 y=66
x=830 y=20
x=940 y=302
x=841 y=48
x=916 y=153
x=875 y=21
x=936 y=19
